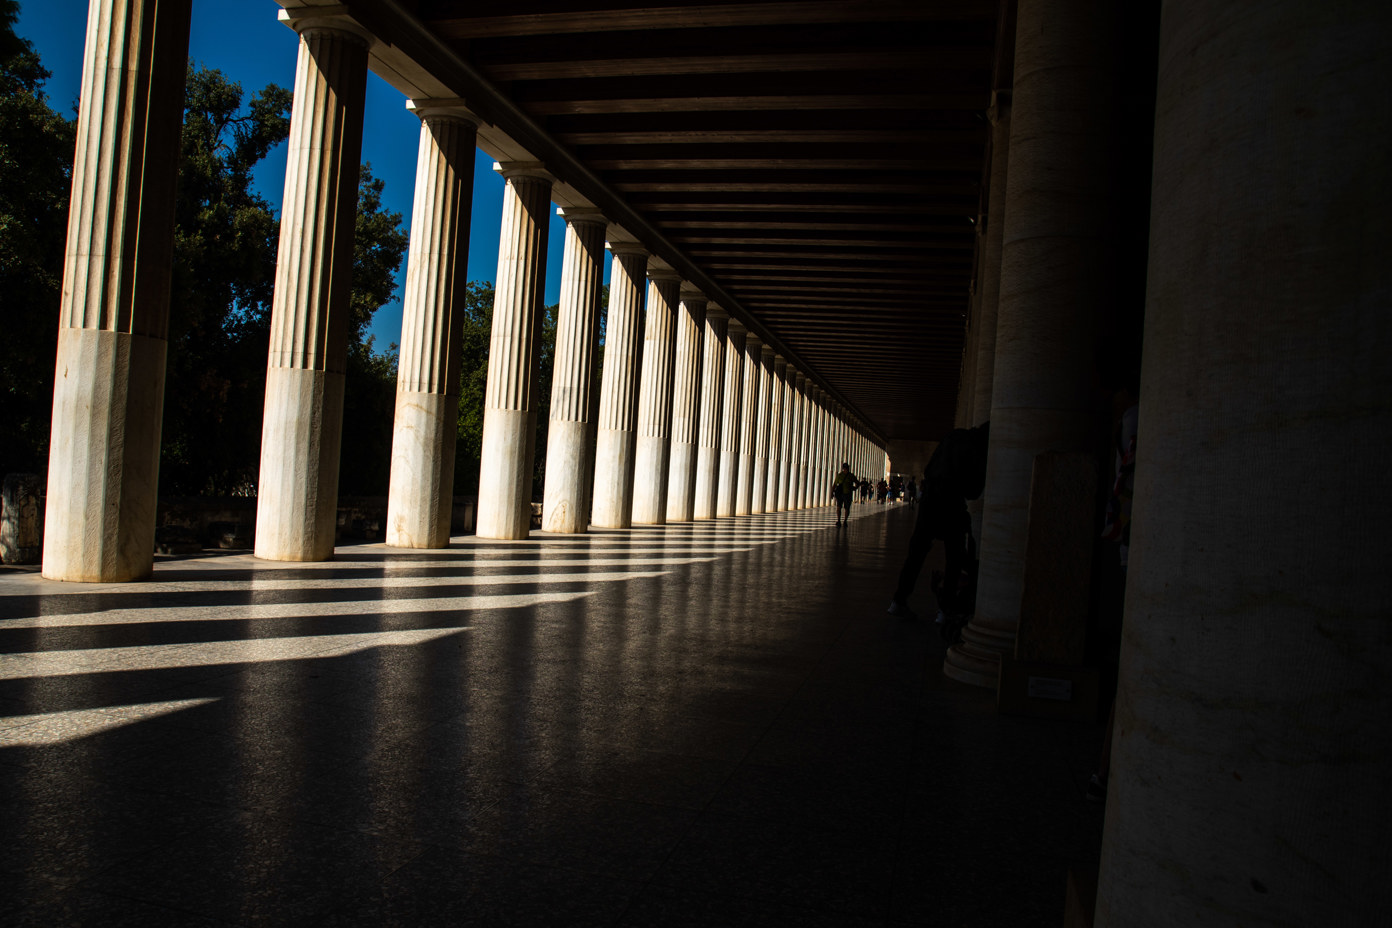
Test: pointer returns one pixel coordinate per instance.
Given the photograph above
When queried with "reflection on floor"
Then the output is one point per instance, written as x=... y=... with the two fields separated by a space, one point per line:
x=709 y=724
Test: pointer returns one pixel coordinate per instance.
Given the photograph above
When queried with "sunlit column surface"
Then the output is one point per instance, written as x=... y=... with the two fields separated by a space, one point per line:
x=570 y=441
x=730 y=432
x=297 y=495
x=714 y=332
x=766 y=454
x=788 y=436
x=749 y=424
x=514 y=350
x=108 y=397
x=652 y=454
x=686 y=409
x=618 y=392
x=420 y=493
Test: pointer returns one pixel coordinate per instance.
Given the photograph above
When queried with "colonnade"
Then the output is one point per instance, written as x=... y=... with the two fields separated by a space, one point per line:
x=693 y=418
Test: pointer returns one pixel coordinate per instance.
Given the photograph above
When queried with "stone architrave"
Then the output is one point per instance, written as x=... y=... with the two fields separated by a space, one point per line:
x=618 y=392
x=297 y=494
x=652 y=455
x=108 y=396
x=714 y=333
x=1250 y=756
x=514 y=352
x=774 y=428
x=686 y=409
x=570 y=441
x=421 y=489
x=1057 y=257
x=749 y=424
x=731 y=420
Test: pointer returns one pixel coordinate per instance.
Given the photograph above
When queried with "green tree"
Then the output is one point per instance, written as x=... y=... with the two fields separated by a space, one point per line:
x=36 y=150
x=473 y=382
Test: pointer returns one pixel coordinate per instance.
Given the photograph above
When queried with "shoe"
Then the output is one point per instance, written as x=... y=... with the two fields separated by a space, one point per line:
x=901 y=609
x=1097 y=788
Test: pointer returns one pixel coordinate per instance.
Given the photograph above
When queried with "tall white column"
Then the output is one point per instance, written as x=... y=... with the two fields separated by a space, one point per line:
x=749 y=424
x=509 y=416
x=773 y=428
x=108 y=397
x=730 y=431
x=787 y=445
x=714 y=333
x=297 y=495
x=570 y=441
x=618 y=391
x=797 y=474
x=652 y=455
x=686 y=409
x=420 y=493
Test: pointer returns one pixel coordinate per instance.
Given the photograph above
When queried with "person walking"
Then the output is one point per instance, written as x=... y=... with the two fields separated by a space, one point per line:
x=842 y=490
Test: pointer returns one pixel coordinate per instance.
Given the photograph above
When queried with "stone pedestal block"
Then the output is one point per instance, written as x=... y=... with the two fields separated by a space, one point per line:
x=21 y=524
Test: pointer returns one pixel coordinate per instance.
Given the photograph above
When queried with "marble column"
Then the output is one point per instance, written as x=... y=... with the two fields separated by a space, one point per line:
x=787 y=445
x=686 y=409
x=514 y=351
x=988 y=279
x=420 y=492
x=1057 y=257
x=652 y=456
x=570 y=441
x=1250 y=759
x=297 y=495
x=108 y=397
x=618 y=391
x=714 y=333
x=773 y=428
x=798 y=490
x=731 y=415
x=749 y=424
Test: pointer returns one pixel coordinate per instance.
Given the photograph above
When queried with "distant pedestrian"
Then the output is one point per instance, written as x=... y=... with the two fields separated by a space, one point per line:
x=842 y=489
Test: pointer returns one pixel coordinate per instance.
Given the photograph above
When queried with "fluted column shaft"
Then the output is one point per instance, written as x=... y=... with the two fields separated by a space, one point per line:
x=514 y=351
x=787 y=438
x=989 y=274
x=714 y=333
x=618 y=391
x=771 y=431
x=686 y=410
x=749 y=424
x=797 y=474
x=652 y=455
x=763 y=406
x=108 y=397
x=570 y=440
x=297 y=496
x=420 y=493
x=731 y=420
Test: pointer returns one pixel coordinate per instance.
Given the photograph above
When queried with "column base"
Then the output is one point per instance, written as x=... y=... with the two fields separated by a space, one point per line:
x=420 y=496
x=566 y=475
x=976 y=659
x=613 y=486
x=505 y=474
x=297 y=494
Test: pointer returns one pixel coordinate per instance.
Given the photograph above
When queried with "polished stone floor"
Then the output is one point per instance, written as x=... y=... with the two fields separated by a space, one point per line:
x=711 y=724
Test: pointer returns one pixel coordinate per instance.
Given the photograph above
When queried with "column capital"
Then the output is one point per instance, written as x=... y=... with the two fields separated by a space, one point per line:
x=752 y=342
x=627 y=248
x=735 y=326
x=768 y=354
x=443 y=108
x=800 y=382
x=715 y=311
x=336 y=18
x=690 y=294
x=531 y=169
x=663 y=274
x=585 y=214
x=780 y=364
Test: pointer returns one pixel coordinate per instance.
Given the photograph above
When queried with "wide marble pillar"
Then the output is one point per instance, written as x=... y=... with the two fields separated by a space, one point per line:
x=1056 y=260
x=686 y=409
x=1250 y=758
x=108 y=397
x=652 y=456
x=297 y=494
x=714 y=333
x=798 y=490
x=787 y=438
x=420 y=493
x=749 y=424
x=988 y=277
x=731 y=420
x=570 y=441
x=618 y=391
x=772 y=395
x=514 y=351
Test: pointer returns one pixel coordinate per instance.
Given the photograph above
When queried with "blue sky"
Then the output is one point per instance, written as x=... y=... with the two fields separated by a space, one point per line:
x=243 y=39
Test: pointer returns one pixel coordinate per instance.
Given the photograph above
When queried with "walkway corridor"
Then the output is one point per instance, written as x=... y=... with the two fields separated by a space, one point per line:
x=705 y=724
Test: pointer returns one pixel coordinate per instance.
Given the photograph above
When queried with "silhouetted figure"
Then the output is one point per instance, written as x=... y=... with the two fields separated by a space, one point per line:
x=955 y=474
x=842 y=490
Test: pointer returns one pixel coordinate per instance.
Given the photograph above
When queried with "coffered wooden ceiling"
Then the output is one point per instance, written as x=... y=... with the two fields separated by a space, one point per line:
x=818 y=161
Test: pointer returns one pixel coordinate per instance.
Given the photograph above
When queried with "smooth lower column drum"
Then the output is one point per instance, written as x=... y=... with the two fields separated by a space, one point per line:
x=1250 y=764
x=618 y=392
x=1057 y=259
x=749 y=424
x=652 y=454
x=297 y=494
x=730 y=419
x=514 y=350
x=686 y=409
x=571 y=431
x=421 y=491
x=108 y=397
x=714 y=333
